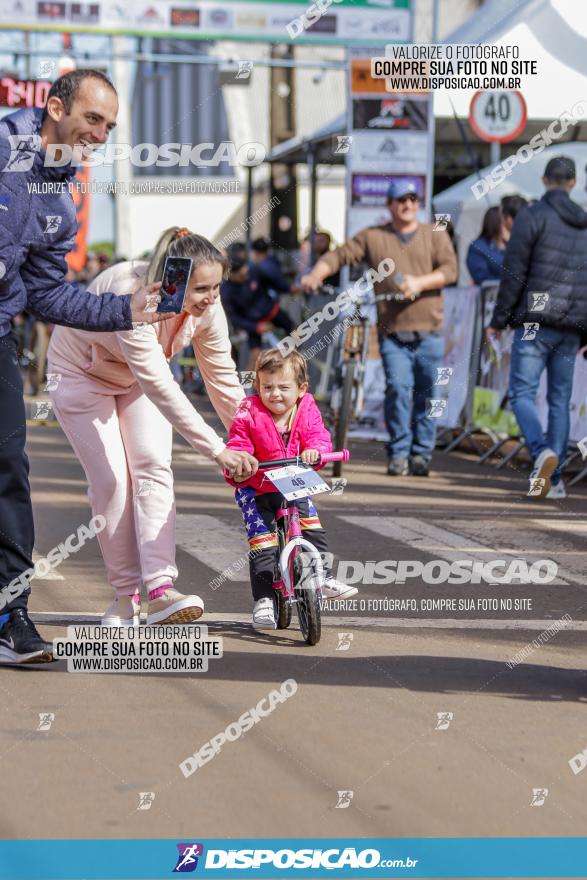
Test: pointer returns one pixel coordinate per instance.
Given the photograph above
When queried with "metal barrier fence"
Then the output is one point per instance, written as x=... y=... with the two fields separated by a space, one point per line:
x=487 y=410
x=476 y=390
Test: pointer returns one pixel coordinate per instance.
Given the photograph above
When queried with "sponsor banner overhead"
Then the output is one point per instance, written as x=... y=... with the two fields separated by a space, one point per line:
x=370 y=190
x=396 y=112
x=383 y=152
x=339 y=21
x=20 y=93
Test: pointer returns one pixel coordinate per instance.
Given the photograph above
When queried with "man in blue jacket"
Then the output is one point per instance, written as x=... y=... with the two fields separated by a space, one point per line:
x=37 y=229
x=543 y=295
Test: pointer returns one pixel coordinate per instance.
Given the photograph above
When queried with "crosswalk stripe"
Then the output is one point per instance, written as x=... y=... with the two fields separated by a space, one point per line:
x=436 y=541
x=220 y=546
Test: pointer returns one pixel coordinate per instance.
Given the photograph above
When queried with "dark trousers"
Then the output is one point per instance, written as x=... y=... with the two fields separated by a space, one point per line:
x=17 y=534
x=258 y=512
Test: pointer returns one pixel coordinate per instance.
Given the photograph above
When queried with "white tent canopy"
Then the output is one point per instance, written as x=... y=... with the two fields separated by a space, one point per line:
x=526 y=180
x=551 y=32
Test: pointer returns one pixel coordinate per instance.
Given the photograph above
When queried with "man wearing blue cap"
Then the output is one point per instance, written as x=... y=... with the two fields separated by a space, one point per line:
x=410 y=330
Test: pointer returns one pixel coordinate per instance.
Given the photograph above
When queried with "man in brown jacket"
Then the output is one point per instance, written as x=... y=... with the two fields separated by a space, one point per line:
x=410 y=331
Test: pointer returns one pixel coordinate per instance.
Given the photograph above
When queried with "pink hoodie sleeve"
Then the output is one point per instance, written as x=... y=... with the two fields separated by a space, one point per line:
x=146 y=359
x=241 y=440
x=316 y=436
x=211 y=345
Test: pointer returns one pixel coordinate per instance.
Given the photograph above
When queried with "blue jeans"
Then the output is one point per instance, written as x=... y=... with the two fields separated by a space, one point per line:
x=553 y=350
x=410 y=376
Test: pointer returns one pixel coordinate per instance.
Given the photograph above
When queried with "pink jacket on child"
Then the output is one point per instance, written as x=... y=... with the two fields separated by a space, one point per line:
x=253 y=430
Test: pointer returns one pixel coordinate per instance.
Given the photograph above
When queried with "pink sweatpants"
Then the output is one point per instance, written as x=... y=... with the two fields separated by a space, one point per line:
x=124 y=445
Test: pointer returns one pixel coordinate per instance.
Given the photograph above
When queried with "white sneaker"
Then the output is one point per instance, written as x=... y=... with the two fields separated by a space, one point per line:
x=543 y=469
x=557 y=492
x=264 y=614
x=333 y=589
x=124 y=611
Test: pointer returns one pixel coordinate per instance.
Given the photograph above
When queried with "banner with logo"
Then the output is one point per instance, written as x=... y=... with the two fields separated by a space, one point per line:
x=379 y=150
x=392 y=113
x=368 y=857
x=391 y=138
x=339 y=21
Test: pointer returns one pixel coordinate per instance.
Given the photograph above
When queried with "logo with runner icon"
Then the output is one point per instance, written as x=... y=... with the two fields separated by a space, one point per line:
x=187 y=860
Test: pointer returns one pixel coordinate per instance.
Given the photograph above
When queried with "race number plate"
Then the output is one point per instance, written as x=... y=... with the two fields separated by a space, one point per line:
x=295 y=481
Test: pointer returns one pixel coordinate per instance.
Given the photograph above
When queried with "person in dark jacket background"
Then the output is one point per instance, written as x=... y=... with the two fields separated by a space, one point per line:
x=543 y=295
x=485 y=254
x=250 y=303
x=268 y=265
x=37 y=229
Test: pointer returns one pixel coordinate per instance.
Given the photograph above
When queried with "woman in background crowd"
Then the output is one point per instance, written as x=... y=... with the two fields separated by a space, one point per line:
x=485 y=254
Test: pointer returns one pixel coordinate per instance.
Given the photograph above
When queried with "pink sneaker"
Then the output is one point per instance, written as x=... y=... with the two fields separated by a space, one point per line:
x=166 y=605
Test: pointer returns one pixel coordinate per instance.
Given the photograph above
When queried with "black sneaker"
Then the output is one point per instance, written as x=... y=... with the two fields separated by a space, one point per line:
x=419 y=466
x=397 y=466
x=21 y=643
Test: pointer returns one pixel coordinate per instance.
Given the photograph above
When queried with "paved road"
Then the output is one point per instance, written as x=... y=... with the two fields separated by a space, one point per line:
x=364 y=719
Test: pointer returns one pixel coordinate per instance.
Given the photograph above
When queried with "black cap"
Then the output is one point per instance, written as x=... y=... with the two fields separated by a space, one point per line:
x=560 y=168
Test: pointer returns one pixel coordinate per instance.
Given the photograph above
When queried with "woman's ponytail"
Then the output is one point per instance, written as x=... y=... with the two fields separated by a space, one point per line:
x=160 y=252
x=180 y=242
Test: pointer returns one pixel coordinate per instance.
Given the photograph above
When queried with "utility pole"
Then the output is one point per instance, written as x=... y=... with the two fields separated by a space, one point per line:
x=282 y=126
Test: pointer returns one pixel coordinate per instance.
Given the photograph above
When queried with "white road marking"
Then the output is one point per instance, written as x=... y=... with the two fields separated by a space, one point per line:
x=78 y=617
x=425 y=537
x=220 y=546
x=578 y=529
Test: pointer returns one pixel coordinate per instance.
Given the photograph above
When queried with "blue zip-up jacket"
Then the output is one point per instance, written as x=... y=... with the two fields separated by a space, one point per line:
x=484 y=261
x=37 y=230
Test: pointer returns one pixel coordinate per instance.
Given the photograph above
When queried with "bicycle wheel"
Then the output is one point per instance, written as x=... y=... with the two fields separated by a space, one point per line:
x=282 y=610
x=307 y=604
x=344 y=413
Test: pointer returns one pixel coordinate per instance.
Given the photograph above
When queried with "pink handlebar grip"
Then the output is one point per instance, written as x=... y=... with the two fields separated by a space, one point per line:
x=343 y=455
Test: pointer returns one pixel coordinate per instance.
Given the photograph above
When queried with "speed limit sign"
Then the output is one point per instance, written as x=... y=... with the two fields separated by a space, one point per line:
x=498 y=117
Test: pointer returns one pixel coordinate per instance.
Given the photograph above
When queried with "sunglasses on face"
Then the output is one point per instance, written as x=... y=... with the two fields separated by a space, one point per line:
x=410 y=197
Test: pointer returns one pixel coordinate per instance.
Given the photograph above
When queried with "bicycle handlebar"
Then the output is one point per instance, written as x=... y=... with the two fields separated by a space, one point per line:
x=325 y=457
x=329 y=290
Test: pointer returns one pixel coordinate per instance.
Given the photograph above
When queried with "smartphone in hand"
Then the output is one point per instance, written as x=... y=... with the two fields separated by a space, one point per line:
x=176 y=274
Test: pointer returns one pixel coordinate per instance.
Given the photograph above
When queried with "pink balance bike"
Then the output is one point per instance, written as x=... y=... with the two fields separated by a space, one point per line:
x=299 y=573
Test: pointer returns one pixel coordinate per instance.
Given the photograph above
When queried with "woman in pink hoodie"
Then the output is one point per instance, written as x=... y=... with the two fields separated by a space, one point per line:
x=116 y=400
x=282 y=420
